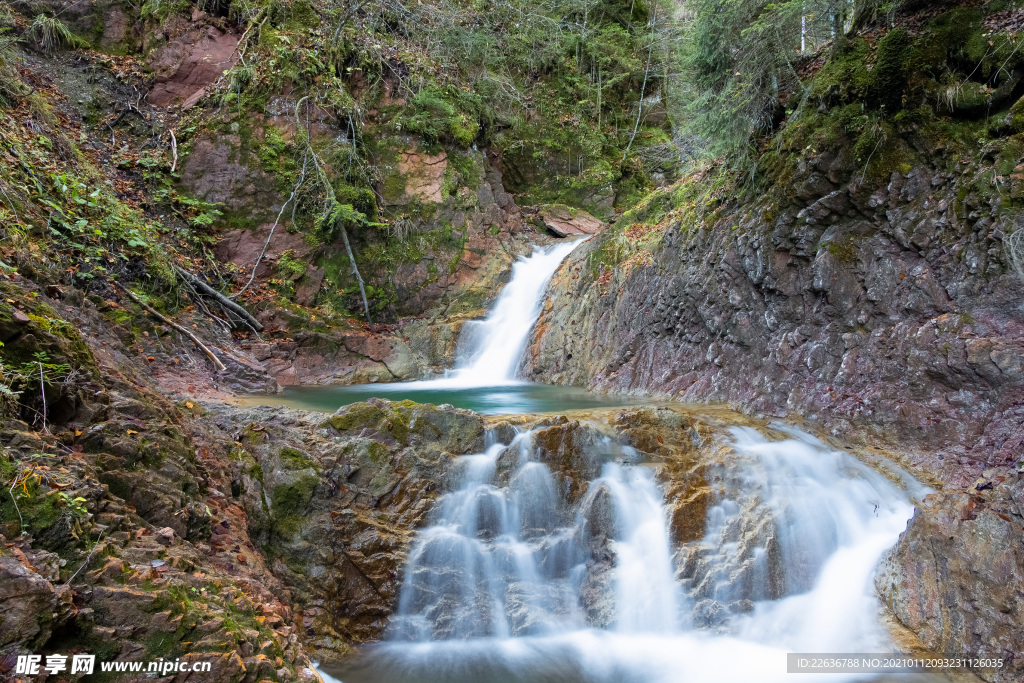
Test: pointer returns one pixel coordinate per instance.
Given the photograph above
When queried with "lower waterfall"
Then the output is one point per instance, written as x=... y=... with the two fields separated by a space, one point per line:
x=511 y=582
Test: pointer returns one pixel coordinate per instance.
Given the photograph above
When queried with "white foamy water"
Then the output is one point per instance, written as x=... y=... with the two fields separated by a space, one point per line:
x=489 y=350
x=502 y=585
x=493 y=346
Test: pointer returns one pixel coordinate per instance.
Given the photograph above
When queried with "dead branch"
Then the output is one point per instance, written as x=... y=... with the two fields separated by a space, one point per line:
x=209 y=291
x=174 y=151
x=167 y=321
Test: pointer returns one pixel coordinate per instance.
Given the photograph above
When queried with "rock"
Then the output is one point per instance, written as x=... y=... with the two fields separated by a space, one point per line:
x=344 y=510
x=189 y=62
x=597 y=594
x=956 y=577
x=599 y=528
x=31 y=605
x=423 y=175
x=564 y=221
x=216 y=172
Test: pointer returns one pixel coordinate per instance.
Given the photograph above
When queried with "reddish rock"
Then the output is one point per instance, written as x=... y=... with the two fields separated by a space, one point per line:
x=189 y=62
x=564 y=221
x=424 y=176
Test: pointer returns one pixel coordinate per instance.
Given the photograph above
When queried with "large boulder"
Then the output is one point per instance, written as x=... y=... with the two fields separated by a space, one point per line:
x=564 y=221
x=956 y=578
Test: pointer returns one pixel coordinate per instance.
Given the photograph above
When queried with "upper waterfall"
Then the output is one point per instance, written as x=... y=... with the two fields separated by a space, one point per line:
x=490 y=349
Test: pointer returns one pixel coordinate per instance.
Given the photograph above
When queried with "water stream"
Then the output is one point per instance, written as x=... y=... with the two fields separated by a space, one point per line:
x=510 y=582
x=513 y=580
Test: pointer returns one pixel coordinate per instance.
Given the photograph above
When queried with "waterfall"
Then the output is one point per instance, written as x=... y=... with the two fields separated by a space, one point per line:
x=492 y=347
x=511 y=581
x=489 y=350
x=509 y=559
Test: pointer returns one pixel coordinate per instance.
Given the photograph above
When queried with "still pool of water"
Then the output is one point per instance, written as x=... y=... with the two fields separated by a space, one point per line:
x=507 y=399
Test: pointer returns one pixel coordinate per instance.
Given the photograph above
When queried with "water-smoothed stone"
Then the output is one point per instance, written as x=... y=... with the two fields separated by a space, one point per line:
x=956 y=579
x=597 y=594
x=599 y=529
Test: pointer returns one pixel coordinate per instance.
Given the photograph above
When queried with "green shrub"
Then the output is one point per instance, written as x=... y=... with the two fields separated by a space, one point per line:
x=50 y=33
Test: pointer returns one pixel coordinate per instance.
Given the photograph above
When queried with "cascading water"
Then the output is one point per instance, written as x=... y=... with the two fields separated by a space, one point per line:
x=512 y=582
x=511 y=560
x=517 y=580
x=490 y=349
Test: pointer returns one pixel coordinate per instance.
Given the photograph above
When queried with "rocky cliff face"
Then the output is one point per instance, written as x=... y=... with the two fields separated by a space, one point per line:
x=885 y=310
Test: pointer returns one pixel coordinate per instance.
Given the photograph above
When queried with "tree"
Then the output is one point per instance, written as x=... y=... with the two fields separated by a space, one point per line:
x=739 y=56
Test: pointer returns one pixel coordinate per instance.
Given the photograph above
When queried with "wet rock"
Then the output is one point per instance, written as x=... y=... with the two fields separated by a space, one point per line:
x=597 y=594
x=956 y=577
x=599 y=528
x=709 y=614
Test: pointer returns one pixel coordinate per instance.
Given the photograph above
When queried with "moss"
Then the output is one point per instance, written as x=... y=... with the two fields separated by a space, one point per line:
x=394 y=187
x=276 y=158
x=290 y=267
x=1010 y=155
x=290 y=502
x=378 y=452
x=889 y=76
x=162 y=645
x=41 y=511
x=293 y=459
x=302 y=16
x=844 y=77
x=843 y=252
x=463 y=129
x=1017 y=116
x=944 y=37
x=356 y=416
x=467 y=167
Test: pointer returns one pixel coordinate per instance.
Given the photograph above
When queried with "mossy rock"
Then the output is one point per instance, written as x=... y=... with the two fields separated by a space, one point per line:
x=355 y=416
x=844 y=77
x=290 y=502
x=1016 y=116
x=294 y=459
x=889 y=76
x=458 y=431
